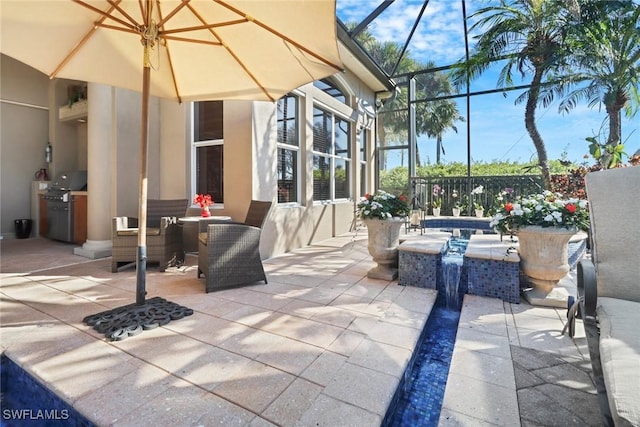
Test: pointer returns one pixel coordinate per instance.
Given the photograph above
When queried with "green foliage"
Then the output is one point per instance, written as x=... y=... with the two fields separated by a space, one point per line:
x=488 y=169
x=608 y=155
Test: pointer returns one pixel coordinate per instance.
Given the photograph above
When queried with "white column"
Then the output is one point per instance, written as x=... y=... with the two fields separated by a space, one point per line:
x=99 y=166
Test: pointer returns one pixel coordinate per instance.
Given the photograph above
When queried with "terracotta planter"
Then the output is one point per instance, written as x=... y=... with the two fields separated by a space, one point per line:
x=384 y=238
x=436 y=211
x=544 y=255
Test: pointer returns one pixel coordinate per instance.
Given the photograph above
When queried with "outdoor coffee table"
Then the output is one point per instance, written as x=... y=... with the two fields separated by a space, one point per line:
x=191 y=228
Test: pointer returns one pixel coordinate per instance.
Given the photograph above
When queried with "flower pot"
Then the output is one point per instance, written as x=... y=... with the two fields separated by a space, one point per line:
x=456 y=211
x=479 y=213
x=384 y=238
x=436 y=211
x=544 y=260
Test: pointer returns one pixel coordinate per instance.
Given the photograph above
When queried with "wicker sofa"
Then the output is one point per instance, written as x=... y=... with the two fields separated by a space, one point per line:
x=229 y=252
x=609 y=291
x=164 y=236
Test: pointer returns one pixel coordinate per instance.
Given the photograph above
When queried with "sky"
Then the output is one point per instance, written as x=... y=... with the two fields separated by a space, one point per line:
x=496 y=122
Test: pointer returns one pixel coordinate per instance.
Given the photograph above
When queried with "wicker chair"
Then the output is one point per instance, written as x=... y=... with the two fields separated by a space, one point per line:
x=229 y=252
x=164 y=237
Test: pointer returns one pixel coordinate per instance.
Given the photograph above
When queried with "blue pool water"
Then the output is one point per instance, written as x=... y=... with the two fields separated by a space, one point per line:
x=418 y=402
x=26 y=402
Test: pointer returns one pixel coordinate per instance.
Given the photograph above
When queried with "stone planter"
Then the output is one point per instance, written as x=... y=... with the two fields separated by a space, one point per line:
x=384 y=238
x=544 y=261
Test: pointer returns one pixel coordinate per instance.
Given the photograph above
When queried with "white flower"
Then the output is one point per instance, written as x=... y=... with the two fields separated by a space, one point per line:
x=478 y=190
x=548 y=218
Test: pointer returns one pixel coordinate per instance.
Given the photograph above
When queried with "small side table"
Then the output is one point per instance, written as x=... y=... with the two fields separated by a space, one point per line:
x=191 y=228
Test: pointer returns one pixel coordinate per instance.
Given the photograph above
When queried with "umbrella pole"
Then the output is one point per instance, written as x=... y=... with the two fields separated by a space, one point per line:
x=141 y=260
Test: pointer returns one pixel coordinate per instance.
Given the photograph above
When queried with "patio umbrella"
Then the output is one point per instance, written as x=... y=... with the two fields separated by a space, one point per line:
x=195 y=49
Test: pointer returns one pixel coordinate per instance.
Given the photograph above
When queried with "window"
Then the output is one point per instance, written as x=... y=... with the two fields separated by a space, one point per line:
x=288 y=149
x=364 y=140
x=209 y=149
x=328 y=87
x=331 y=156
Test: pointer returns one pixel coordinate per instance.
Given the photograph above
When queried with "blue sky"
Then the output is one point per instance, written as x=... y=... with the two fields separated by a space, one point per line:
x=497 y=124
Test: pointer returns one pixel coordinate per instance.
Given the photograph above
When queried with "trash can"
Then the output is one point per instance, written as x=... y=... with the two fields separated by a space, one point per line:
x=23 y=228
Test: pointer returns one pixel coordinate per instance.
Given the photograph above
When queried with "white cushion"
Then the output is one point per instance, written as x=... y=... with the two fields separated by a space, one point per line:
x=620 y=358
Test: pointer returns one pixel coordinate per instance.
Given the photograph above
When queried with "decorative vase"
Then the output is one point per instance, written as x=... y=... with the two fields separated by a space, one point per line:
x=436 y=211
x=544 y=260
x=456 y=211
x=205 y=212
x=479 y=213
x=384 y=238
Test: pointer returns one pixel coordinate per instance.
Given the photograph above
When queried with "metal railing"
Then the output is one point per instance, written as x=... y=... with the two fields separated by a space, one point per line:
x=421 y=190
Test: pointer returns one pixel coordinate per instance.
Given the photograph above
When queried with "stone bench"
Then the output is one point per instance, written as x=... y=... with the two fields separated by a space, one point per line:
x=419 y=260
x=493 y=270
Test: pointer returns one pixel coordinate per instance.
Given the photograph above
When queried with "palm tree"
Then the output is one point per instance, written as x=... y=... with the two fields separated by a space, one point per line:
x=433 y=117
x=606 y=59
x=528 y=35
x=437 y=115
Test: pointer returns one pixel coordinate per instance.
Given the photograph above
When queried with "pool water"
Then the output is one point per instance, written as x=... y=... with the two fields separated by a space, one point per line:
x=420 y=403
x=420 y=400
x=26 y=402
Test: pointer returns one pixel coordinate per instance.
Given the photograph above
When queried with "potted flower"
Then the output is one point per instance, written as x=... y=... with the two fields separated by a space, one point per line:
x=436 y=202
x=204 y=201
x=477 y=206
x=544 y=223
x=456 y=203
x=545 y=210
x=383 y=214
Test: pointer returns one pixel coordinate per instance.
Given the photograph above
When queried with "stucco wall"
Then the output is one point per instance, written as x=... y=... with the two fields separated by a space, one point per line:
x=24 y=132
x=249 y=157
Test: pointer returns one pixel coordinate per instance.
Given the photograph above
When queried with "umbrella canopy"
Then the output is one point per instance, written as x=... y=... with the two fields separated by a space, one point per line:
x=182 y=49
x=203 y=49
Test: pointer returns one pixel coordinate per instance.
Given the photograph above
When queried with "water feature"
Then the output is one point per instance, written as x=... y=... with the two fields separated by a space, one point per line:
x=26 y=402
x=451 y=268
x=420 y=401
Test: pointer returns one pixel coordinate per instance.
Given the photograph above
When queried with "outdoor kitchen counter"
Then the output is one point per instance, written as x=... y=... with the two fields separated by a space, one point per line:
x=79 y=221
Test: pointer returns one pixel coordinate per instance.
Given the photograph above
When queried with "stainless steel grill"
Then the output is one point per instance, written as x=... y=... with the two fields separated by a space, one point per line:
x=60 y=204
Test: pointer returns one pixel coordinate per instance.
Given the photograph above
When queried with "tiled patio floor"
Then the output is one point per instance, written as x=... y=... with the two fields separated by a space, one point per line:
x=321 y=344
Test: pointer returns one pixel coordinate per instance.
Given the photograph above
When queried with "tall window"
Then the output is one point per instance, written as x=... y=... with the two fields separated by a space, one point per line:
x=288 y=149
x=363 y=141
x=208 y=143
x=331 y=156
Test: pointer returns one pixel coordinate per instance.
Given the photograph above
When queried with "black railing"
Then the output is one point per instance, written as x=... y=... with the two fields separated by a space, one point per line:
x=422 y=190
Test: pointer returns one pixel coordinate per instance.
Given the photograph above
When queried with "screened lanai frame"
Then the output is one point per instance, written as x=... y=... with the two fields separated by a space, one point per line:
x=400 y=150
x=407 y=83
